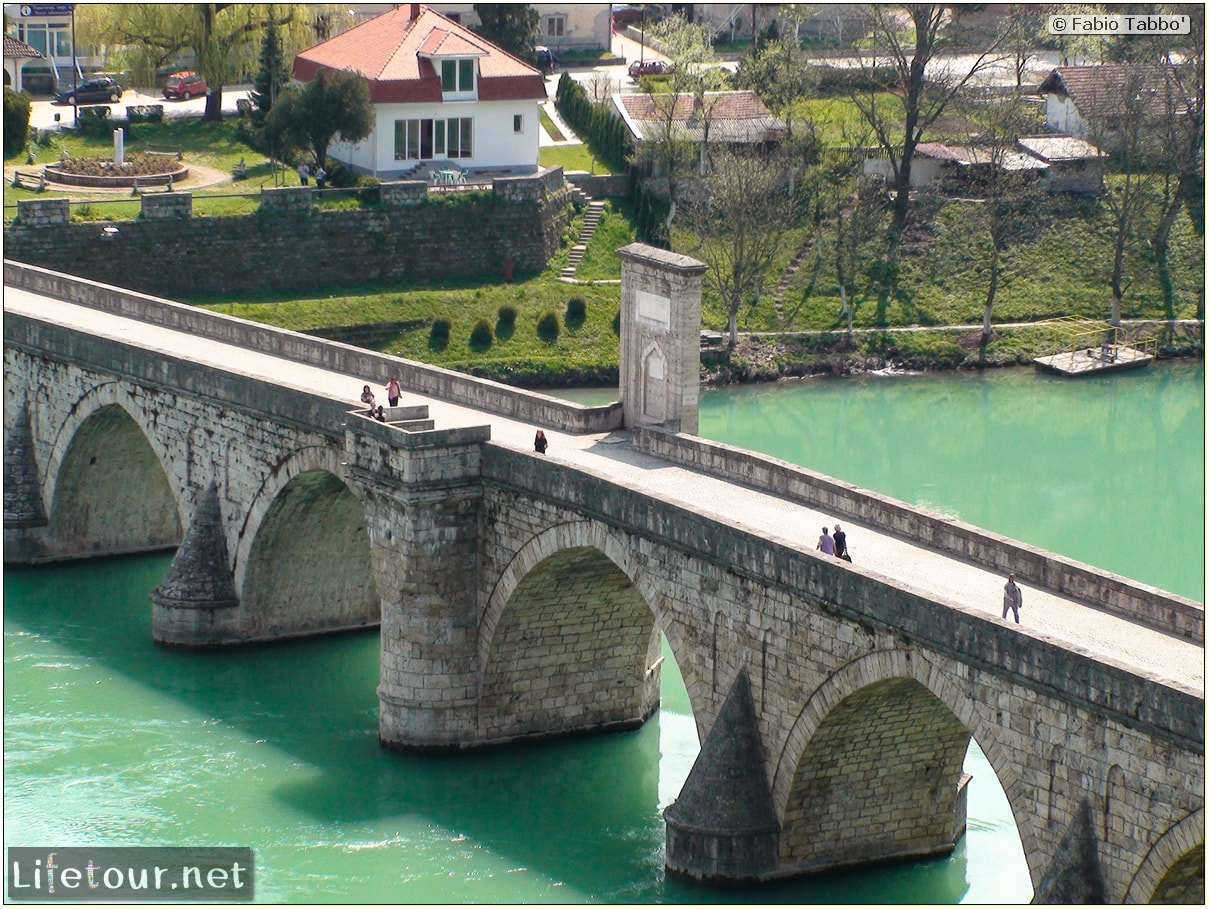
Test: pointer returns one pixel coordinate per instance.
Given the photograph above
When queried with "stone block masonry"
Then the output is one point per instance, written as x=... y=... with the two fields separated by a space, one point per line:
x=289 y=244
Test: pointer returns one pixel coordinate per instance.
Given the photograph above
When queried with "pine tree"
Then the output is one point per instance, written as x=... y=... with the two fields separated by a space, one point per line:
x=274 y=72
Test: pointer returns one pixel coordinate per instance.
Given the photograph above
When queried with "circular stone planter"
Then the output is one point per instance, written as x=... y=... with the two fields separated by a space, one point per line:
x=68 y=179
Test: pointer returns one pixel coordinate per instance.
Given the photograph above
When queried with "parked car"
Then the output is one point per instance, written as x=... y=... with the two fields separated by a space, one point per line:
x=98 y=88
x=650 y=68
x=184 y=85
x=545 y=59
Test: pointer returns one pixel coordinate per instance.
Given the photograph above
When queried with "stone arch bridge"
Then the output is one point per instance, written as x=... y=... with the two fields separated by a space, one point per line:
x=522 y=596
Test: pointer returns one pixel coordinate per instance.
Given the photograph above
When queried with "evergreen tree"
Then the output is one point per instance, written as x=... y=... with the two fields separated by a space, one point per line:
x=274 y=72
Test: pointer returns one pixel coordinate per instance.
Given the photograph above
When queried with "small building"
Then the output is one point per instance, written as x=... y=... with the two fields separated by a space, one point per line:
x=440 y=92
x=736 y=118
x=1093 y=102
x=16 y=54
x=926 y=167
x=1075 y=165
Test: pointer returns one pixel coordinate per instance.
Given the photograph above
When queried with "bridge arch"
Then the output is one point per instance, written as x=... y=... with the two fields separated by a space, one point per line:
x=572 y=623
x=888 y=711
x=1173 y=870
x=303 y=562
x=106 y=484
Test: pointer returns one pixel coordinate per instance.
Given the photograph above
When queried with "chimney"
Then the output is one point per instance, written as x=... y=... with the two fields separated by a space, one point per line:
x=413 y=12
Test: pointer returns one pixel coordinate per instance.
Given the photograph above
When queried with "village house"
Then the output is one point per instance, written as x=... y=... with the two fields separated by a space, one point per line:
x=1093 y=102
x=734 y=118
x=442 y=95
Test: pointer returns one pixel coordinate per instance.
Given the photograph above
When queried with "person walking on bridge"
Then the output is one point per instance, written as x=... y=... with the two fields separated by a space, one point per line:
x=826 y=543
x=841 y=544
x=1012 y=598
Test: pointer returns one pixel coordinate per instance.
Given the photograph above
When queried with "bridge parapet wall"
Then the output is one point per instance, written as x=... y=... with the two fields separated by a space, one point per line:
x=1113 y=593
x=445 y=384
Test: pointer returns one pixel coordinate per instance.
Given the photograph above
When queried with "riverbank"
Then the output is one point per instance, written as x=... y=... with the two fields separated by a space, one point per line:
x=766 y=357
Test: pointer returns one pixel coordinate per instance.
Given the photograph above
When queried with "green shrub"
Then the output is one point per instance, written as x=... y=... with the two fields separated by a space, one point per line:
x=438 y=335
x=577 y=312
x=480 y=336
x=547 y=327
x=16 y=121
x=505 y=323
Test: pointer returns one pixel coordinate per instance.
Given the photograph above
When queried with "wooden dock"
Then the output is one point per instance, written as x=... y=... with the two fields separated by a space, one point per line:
x=1094 y=360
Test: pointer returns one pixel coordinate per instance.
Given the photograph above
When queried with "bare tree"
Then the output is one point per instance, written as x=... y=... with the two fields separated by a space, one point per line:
x=1002 y=182
x=735 y=222
x=1124 y=116
x=921 y=86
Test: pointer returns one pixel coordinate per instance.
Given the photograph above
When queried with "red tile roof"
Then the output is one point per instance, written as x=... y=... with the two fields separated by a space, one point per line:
x=1106 y=91
x=15 y=48
x=391 y=51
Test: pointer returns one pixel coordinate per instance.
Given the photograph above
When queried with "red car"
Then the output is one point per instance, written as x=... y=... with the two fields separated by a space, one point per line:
x=184 y=85
x=650 y=68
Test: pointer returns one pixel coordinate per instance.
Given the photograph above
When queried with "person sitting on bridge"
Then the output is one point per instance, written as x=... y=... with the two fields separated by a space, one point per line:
x=367 y=398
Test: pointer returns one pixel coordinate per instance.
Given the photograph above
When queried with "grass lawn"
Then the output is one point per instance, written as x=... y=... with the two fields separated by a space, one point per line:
x=213 y=145
x=572 y=157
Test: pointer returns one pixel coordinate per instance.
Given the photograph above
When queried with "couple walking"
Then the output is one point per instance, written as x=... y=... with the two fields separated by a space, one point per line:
x=834 y=545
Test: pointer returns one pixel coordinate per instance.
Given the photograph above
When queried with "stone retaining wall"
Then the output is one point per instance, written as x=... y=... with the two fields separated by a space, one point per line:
x=1113 y=593
x=289 y=244
x=444 y=384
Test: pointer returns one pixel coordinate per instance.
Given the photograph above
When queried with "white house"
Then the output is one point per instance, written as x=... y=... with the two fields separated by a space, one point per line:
x=440 y=93
x=1092 y=102
x=16 y=53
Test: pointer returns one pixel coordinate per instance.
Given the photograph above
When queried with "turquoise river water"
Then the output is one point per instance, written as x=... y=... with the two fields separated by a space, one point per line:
x=110 y=741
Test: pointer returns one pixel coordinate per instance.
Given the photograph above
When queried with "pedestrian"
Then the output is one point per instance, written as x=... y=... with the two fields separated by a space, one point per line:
x=367 y=398
x=393 y=389
x=320 y=177
x=303 y=173
x=539 y=442
x=379 y=415
x=841 y=544
x=826 y=543
x=1012 y=598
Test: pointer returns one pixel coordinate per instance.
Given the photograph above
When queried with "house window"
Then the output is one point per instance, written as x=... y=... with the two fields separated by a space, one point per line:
x=556 y=26
x=518 y=123
x=427 y=139
x=457 y=76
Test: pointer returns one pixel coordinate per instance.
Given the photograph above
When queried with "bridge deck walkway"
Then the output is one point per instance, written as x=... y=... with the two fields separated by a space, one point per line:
x=938 y=576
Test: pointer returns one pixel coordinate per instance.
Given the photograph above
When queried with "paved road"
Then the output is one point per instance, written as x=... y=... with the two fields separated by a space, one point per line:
x=947 y=580
x=42 y=113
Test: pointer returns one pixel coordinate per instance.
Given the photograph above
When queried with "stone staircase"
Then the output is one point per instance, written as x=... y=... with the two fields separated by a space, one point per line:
x=791 y=269
x=591 y=221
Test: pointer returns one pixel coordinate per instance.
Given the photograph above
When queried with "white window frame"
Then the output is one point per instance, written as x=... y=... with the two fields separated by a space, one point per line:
x=556 y=26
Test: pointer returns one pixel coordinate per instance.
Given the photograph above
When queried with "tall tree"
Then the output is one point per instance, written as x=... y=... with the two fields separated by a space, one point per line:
x=274 y=72
x=735 y=223
x=333 y=105
x=1002 y=183
x=511 y=26
x=921 y=86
